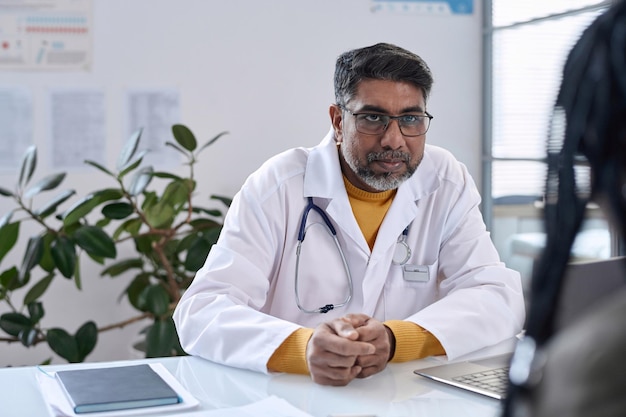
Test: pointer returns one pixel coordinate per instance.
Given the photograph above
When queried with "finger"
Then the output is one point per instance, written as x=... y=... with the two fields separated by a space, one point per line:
x=357 y=319
x=369 y=371
x=334 y=376
x=343 y=327
x=333 y=345
x=371 y=330
x=371 y=364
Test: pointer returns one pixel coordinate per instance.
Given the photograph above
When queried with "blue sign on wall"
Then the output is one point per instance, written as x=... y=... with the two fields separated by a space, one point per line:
x=425 y=6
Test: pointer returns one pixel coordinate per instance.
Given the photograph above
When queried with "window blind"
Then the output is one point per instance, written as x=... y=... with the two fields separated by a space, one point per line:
x=530 y=42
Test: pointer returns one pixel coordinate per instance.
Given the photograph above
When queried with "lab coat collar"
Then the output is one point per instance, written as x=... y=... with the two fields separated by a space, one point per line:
x=323 y=177
x=323 y=180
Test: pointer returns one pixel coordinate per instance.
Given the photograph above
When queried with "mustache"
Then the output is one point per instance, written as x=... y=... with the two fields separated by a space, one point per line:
x=386 y=155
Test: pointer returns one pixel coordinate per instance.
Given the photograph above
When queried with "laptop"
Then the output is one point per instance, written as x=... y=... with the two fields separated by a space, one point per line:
x=585 y=285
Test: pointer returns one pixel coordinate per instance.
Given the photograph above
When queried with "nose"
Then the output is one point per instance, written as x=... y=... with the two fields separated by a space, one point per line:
x=393 y=137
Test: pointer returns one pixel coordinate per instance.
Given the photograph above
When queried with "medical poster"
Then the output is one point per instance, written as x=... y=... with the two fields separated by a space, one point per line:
x=154 y=111
x=424 y=7
x=77 y=127
x=46 y=35
x=16 y=125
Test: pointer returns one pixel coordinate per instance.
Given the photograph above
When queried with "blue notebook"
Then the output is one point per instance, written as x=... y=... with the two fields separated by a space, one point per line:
x=115 y=388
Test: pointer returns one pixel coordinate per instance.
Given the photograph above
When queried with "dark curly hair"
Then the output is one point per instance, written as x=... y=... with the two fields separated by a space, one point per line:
x=586 y=161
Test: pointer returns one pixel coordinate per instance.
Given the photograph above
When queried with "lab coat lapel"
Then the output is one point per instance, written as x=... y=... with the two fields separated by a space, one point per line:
x=403 y=210
x=323 y=179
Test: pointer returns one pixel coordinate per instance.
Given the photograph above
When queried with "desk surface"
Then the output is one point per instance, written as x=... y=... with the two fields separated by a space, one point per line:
x=394 y=392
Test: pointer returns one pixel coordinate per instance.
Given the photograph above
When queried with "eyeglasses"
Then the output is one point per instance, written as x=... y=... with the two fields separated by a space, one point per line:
x=376 y=124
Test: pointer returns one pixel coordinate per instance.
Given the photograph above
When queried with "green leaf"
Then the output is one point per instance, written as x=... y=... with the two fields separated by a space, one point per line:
x=131 y=226
x=140 y=181
x=102 y=223
x=161 y=339
x=9 y=279
x=36 y=312
x=34 y=252
x=166 y=175
x=178 y=148
x=210 y=212
x=38 y=289
x=176 y=193
x=204 y=224
x=4 y=220
x=150 y=199
x=157 y=300
x=5 y=192
x=119 y=268
x=47 y=183
x=184 y=137
x=143 y=244
x=135 y=291
x=132 y=164
x=84 y=206
x=100 y=167
x=63 y=344
x=27 y=336
x=8 y=236
x=64 y=255
x=46 y=262
x=117 y=211
x=186 y=242
x=226 y=200
x=86 y=339
x=129 y=149
x=212 y=141
x=52 y=205
x=161 y=215
x=29 y=162
x=198 y=251
x=97 y=259
x=95 y=242
x=78 y=277
x=14 y=323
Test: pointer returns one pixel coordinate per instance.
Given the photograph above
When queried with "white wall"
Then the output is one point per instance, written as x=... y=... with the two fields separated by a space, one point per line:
x=259 y=69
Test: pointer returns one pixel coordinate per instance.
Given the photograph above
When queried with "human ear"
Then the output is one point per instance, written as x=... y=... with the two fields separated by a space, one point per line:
x=336 y=118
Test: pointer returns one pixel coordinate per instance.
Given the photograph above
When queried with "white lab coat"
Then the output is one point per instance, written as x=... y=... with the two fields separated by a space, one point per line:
x=241 y=305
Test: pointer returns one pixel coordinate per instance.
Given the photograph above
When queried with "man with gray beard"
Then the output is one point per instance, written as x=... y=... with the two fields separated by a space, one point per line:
x=365 y=249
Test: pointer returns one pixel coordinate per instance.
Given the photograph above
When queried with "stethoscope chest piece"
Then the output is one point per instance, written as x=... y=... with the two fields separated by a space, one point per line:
x=402 y=252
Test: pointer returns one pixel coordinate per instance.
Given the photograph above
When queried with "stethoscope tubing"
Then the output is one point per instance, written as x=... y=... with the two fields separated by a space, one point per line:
x=333 y=233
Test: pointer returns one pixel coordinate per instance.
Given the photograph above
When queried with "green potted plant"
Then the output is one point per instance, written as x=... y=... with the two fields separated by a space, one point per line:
x=157 y=212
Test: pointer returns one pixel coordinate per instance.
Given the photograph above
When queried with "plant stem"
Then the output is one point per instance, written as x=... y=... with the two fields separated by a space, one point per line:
x=125 y=323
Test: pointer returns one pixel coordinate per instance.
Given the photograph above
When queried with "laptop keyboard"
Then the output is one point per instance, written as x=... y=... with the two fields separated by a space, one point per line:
x=495 y=380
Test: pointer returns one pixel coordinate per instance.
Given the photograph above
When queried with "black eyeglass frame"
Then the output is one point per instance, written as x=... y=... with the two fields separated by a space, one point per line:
x=386 y=125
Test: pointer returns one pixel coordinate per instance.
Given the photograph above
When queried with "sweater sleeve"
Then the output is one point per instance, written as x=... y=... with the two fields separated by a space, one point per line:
x=413 y=341
x=291 y=354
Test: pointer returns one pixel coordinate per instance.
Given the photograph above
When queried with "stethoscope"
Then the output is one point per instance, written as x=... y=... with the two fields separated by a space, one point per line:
x=401 y=256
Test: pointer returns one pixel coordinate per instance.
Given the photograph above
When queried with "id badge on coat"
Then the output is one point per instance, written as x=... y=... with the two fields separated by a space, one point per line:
x=415 y=273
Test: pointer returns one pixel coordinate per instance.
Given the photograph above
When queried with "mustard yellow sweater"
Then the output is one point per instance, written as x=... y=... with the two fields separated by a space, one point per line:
x=412 y=341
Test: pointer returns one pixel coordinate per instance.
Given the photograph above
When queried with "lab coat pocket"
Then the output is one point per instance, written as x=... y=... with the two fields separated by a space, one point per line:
x=409 y=289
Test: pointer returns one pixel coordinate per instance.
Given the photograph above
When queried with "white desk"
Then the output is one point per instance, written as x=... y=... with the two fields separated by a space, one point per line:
x=394 y=392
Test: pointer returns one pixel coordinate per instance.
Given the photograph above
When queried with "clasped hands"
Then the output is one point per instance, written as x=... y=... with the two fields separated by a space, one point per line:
x=353 y=346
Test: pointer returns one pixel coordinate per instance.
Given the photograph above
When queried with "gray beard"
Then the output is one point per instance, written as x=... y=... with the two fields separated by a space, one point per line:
x=379 y=182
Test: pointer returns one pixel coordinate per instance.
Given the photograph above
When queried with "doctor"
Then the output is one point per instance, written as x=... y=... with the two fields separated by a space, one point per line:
x=365 y=249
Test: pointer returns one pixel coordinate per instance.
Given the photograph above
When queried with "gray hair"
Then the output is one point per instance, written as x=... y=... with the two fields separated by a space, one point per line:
x=382 y=61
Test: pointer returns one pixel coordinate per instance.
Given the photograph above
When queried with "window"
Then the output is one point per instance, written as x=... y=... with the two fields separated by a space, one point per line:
x=526 y=44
